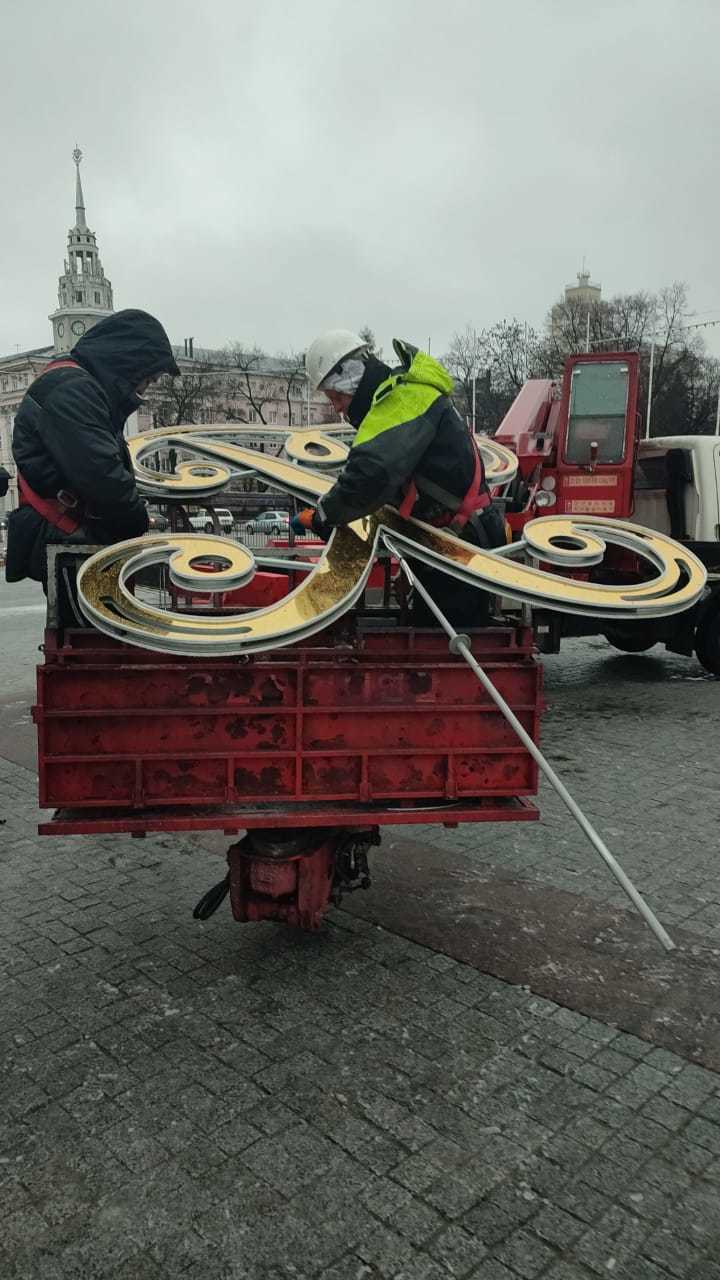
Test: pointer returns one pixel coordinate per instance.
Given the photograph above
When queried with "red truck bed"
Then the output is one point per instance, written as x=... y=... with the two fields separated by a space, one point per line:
x=388 y=728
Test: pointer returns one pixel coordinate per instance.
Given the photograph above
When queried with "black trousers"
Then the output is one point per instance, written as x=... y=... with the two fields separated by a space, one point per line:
x=463 y=605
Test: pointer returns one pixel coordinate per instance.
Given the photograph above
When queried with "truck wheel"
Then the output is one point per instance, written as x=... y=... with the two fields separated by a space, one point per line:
x=707 y=641
x=208 y=527
x=636 y=638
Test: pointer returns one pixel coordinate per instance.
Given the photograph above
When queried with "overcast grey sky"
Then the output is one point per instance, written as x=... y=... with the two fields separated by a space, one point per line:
x=263 y=171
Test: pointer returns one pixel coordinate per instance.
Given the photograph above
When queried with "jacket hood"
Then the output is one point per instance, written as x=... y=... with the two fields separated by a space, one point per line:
x=418 y=366
x=123 y=350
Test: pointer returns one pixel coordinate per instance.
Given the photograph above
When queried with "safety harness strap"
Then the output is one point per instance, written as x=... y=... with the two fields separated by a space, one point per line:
x=51 y=509
x=54 y=510
x=477 y=497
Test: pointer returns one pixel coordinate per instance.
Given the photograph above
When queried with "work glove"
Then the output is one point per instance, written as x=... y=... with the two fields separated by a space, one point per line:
x=310 y=521
x=302 y=521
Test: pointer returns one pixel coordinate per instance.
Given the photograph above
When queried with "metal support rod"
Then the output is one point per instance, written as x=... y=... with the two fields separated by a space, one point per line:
x=717 y=415
x=461 y=644
x=650 y=388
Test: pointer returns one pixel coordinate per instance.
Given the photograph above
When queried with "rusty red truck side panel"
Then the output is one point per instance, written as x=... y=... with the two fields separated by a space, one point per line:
x=313 y=734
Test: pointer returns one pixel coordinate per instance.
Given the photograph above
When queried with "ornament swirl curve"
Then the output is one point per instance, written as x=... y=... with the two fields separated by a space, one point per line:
x=219 y=458
x=337 y=581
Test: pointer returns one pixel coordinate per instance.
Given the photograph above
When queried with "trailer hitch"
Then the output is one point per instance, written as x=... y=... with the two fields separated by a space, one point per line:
x=291 y=875
x=351 y=863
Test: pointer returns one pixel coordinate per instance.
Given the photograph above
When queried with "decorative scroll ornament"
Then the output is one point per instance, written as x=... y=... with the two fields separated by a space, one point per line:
x=336 y=583
x=219 y=457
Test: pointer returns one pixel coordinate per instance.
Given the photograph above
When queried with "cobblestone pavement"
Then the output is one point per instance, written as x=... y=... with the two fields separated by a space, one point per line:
x=635 y=738
x=211 y=1101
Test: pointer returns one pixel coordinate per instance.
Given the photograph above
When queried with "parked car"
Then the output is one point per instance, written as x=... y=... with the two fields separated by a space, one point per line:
x=159 y=523
x=272 y=522
x=203 y=520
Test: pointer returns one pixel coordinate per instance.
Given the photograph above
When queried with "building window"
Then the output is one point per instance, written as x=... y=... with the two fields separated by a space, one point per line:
x=252 y=416
x=97 y=299
x=78 y=295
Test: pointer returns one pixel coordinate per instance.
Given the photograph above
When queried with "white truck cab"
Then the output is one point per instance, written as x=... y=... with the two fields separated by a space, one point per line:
x=677 y=487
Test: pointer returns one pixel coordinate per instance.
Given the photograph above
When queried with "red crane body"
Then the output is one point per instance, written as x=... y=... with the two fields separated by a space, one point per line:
x=575 y=440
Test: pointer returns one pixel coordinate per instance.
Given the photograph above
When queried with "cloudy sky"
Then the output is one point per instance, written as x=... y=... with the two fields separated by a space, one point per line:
x=263 y=171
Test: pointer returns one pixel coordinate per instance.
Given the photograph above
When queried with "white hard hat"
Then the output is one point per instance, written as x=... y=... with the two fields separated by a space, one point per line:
x=328 y=350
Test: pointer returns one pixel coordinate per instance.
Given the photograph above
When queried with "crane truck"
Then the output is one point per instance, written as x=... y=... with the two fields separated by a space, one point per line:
x=579 y=449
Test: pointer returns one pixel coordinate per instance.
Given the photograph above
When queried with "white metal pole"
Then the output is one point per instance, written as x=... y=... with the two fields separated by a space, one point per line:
x=461 y=644
x=587 y=331
x=650 y=388
x=474 y=399
x=717 y=415
x=307 y=399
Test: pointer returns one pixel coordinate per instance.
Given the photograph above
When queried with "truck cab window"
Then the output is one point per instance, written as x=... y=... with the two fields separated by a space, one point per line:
x=598 y=406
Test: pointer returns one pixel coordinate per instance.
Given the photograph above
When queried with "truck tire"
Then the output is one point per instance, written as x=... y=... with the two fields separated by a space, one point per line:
x=635 y=638
x=707 y=640
x=208 y=527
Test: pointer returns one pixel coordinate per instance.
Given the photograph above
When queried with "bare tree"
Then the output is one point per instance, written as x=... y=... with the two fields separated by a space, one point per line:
x=368 y=337
x=466 y=357
x=658 y=326
x=511 y=353
x=293 y=378
x=184 y=399
x=249 y=386
x=622 y=323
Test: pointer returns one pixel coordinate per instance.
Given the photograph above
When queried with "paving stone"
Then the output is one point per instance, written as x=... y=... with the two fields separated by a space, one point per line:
x=207 y=1101
x=555 y=1227
x=386 y=1250
x=416 y=1222
x=458 y=1250
x=525 y=1255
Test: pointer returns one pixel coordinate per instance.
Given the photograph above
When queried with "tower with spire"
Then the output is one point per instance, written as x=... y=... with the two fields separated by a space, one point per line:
x=84 y=294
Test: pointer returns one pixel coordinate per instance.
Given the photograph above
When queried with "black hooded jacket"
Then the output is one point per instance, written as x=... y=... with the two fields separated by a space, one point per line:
x=68 y=435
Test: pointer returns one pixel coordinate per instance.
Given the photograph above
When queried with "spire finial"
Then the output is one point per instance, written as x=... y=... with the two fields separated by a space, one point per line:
x=80 y=222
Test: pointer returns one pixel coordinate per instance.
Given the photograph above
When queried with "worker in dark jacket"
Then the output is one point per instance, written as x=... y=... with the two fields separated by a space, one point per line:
x=412 y=450
x=75 y=478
